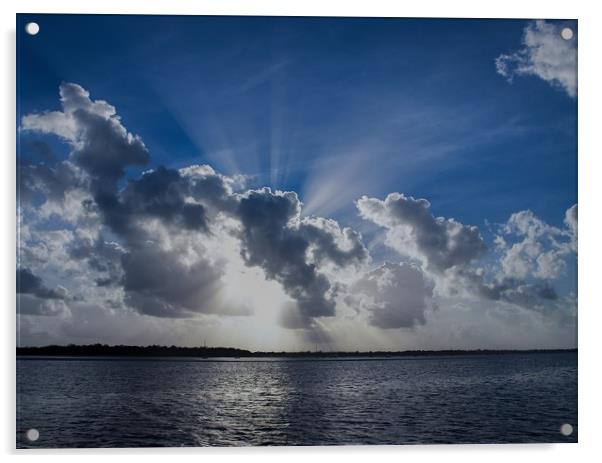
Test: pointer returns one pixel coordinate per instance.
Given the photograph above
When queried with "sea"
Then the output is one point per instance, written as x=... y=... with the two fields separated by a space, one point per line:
x=192 y=402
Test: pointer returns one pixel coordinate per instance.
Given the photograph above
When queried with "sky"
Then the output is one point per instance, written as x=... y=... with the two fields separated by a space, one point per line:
x=297 y=183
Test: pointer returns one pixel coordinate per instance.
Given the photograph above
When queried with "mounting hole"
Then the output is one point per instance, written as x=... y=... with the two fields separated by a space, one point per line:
x=566 y=429
x=566 y=33
x=32 y=28
x=32 y=435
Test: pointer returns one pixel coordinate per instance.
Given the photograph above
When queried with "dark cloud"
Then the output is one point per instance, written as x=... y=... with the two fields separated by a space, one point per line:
x=164 y=282
x=512 y=290
x=35 y=298
x=28 y=283
x=162 y=194
x=106 y=149
x=272 y=242
x=440 y=243
x=183 y=199
x=395 y=295
x=102 y=256
x=39 y=182
x=290 y=250
x=161 y=284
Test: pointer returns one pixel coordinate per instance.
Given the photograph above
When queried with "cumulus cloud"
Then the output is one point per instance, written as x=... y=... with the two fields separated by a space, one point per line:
x=158 y=194
x=138 y=215
x=290 y=250
x=412 y=230
x=530 y=247
x=101 y=144
x=449 y=250
x=545 y=54
x=167 y=267
x=530 y=255
x=330 y=243
x=169 y=223
x=395 y=295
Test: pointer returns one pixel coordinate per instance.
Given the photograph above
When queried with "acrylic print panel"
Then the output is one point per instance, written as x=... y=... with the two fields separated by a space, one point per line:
x=295 y=231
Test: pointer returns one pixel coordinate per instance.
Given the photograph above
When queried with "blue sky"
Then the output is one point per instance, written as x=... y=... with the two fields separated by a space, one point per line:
x=332 y=108
x=259 y=93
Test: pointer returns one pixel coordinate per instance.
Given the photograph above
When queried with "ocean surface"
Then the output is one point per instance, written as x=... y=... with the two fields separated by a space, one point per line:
x=91 y=402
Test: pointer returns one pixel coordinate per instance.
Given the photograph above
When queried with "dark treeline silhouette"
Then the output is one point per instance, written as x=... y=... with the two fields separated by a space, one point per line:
x=103 y=350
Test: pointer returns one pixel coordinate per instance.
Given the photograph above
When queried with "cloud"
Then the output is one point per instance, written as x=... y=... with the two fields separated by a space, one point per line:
x=545 y=54
x=103 y=258
x=412 y=230
x=570 y=220
x=531 y=248
x=35 y=298
x=449 y=250
x=160 y=194
x=28 y=283
x=512 y=290
x=160 y=218
x=530 y=255
x=175 y=289
x=138 y=215
x=170 y=223
x=101 y=145
x=291 y=250
x=28 y=304
x=395 y=295
x=37 y=181
x=329 y=242
x=212 y=188
x=194 y=244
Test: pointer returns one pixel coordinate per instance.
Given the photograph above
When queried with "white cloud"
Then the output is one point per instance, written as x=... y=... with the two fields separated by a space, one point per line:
x=545 y=54
x=530 y=247
x=66 y=124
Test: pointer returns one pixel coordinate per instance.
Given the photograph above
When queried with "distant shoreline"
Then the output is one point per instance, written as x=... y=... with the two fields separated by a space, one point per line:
x=101 y=350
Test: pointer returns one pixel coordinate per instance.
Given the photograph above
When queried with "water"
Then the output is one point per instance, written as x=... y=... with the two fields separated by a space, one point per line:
x=194 y=402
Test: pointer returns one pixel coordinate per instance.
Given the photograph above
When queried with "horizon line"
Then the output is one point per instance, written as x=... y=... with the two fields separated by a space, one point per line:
x=155 y=349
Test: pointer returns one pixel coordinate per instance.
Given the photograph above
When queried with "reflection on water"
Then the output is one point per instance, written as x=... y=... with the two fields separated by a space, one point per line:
x=142 y=402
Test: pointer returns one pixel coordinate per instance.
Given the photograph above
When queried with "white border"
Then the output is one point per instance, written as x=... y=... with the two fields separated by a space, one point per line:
x=589 y=208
